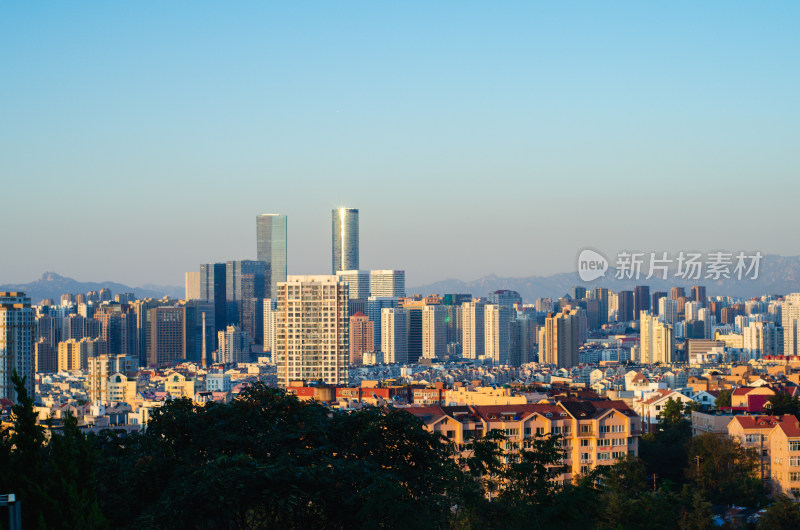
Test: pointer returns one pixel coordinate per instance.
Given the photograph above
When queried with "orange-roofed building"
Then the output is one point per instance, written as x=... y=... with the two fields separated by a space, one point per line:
x=784 y=449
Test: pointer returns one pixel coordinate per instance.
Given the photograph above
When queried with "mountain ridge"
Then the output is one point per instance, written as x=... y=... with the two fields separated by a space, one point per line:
x=52 y=285
x=777 y=275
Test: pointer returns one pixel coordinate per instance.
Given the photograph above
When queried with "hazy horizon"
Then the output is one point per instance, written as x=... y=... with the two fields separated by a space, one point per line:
x=141 y=140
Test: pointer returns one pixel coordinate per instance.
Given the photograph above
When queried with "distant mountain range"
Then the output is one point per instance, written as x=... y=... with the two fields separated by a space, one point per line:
x=52 y=285
x=777 y=275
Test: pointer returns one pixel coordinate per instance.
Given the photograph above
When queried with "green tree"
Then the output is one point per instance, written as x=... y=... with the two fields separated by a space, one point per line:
x=673 y=414
x=783 y=514
x=782 y=403
x=723 y=399
x=724 y=470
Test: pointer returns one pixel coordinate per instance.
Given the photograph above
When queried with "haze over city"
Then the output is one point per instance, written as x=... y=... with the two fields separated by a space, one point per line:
x=139 y=141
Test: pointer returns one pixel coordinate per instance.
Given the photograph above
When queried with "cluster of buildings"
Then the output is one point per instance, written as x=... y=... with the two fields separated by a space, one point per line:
x=464 y=364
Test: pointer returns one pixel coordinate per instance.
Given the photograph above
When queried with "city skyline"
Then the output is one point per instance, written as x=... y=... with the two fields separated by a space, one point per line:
x=187 y=122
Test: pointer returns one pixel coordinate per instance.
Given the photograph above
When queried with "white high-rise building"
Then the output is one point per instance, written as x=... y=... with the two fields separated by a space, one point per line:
x=359 y=282
x=760 y=339
x=790 y=318
x=192 y=285
x=387 y=283
x=691 y=311
x=312 y=330
x=394 y=335
x=270 y=310
x=657 y=341
x=17 y=331
x=434 y=331
x=234 y=346
x=473 y=324
x=497 y=329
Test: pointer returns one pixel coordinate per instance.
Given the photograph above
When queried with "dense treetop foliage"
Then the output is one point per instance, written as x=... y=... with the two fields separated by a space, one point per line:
x=268 y=460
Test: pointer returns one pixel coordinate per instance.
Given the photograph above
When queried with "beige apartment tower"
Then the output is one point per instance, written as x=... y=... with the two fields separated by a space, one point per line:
x=312 y=330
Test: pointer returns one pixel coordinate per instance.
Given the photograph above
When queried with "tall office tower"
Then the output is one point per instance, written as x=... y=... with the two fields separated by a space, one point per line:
x=641 y=299
x=45 y=357
x=387 y=283
x=413 y=309
x=270 y=310
x=362 y=338
x=245 y=289
x=657 y=341
x=198 y=330
x=66 y=299
x=241 y=275
x=77 y=327
x=434 y=331
x=677 y=292
x=497 y=328
x=104 y=295
x=69 y=356
x=505 y=298
x=613 y=306
x=124 y=298
x=117 y=328
x=691 y=311
x=87 y=310
x=394 y=335
x=17 y=330
x=251 y=307
x=213 y=286
x=473 y=326
x=374 y=306
x=560 y=340
x=99 y=368
x=775 y=312
x=709 y=321
x=48 y=328
x=74 y=355
x=658 y=295
x=167 y=340
x=141 y=308
x=344 y=239
x=456 y=299
x=271 y=248
x=592 y=313
x=312 y=330
x=544 y=304
x=358 y=282
x=601 y=295
x=192 y=286
x=699 y=294
x=91 y=297
x=453 y=323
x=79 y=298
x=578 y=292
x=626 y=303
x=668 y=310
x=522 y=341
x=234 y=346
x=790 y=319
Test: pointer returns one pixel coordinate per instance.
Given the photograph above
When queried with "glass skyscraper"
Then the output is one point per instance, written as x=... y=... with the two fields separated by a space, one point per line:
x=271 y=247
x=344 y=239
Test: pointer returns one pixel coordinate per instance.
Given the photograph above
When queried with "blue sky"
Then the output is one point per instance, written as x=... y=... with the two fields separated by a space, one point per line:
x=140 y=139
